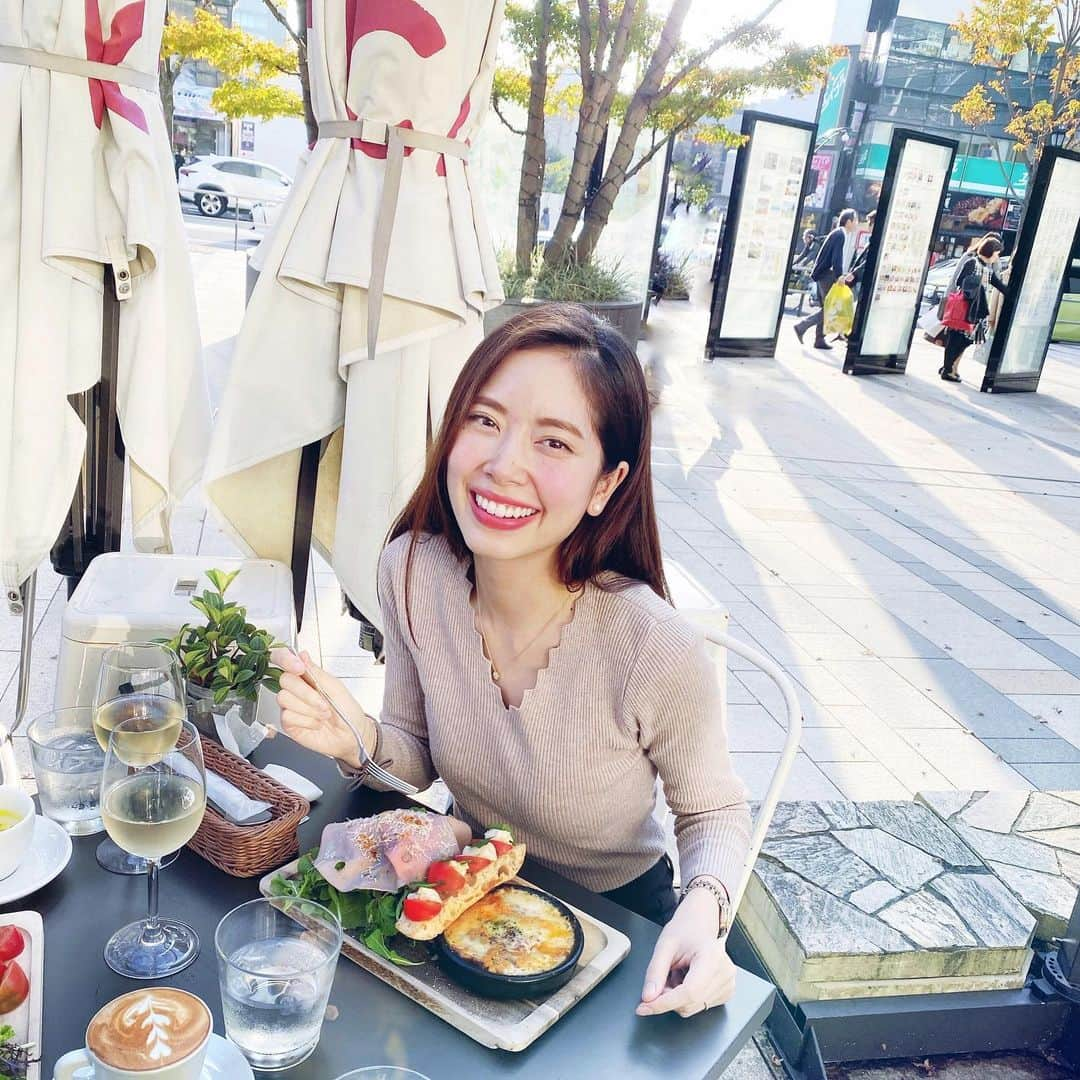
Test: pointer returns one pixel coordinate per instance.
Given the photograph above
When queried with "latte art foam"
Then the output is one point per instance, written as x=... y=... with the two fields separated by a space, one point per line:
x=149 y=1028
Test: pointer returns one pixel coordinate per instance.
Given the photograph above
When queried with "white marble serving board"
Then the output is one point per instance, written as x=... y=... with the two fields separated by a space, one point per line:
x=26 y=1019
x=503 y=1025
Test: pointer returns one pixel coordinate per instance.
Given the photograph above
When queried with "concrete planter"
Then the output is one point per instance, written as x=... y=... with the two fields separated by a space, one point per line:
x=624 y=315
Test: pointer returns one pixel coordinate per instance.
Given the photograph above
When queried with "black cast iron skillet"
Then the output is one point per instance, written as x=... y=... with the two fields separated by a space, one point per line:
x=481 y=981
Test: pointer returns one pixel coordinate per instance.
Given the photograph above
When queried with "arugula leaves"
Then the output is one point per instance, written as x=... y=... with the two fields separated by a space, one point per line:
x=369 y=916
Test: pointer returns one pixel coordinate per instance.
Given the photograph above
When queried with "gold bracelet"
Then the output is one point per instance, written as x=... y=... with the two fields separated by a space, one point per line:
x=723 y=899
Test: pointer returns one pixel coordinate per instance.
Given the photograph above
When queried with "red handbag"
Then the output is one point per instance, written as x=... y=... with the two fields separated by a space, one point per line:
x=955 y=315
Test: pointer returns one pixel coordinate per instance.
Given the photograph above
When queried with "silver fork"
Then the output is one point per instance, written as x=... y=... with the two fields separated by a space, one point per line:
x=368 y=764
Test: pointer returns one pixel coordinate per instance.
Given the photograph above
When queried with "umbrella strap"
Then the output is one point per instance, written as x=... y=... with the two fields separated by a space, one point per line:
x=74 y=65
x=396 y=139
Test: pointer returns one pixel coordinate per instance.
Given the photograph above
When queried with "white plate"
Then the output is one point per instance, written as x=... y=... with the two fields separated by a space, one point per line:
x=49 y=852
x=223 y=1062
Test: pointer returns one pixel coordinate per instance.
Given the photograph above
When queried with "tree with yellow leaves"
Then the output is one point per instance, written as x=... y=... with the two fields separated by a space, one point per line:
x=625 y=64
x=1015 y=38
x=251 y=67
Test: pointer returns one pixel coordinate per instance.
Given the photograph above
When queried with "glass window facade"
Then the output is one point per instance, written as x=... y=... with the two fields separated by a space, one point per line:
x=927 y=71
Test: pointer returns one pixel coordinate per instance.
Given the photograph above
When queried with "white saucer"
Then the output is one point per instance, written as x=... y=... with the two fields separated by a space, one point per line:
x=223 y=1062
x=48 y=854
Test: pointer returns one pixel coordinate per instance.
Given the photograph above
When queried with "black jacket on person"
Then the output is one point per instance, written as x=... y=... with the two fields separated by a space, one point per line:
x=830 y=259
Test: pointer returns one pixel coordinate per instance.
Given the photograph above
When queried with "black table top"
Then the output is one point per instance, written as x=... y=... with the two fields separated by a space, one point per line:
x=600 y=1037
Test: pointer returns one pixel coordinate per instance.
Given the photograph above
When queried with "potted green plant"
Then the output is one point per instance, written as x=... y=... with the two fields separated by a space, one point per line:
x=600 y=285
x=226 y=659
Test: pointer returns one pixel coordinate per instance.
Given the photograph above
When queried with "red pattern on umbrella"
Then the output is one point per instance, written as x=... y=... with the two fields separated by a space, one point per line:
x=408 y=20
x=462 y=116
x=126 y=29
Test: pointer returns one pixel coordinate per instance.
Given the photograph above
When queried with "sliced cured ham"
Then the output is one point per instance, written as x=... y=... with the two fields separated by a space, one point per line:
x=384 y=852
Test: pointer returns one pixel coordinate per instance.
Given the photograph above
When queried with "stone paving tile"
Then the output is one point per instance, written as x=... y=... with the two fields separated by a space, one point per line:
x=872 y=900
x=860 y=780
x=965 y=697
x=891 y=696
x=1059 y=713
x=910 y=767
x=756 y=770
x=965 y=761
x=880 y=630
x=833 y=744
x=1024 y=751
x=751 y=728
x=1050 y=777
x=765 y=691
x=1016 y=682
x=1029 y=840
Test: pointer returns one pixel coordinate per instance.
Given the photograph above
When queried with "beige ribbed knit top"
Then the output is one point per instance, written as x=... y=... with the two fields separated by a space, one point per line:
x=628 y=694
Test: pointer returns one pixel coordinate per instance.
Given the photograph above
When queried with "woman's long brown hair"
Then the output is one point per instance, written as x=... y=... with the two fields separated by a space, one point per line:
x=625 y=537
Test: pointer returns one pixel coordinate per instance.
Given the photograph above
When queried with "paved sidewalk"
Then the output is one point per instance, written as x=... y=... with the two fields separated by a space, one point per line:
x=905 y=548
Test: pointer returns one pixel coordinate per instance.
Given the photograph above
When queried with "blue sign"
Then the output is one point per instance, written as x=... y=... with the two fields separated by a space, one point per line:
x=832 y=97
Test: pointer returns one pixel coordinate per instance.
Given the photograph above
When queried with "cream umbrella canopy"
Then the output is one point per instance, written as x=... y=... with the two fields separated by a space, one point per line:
x=372 y=284
x=87 y=175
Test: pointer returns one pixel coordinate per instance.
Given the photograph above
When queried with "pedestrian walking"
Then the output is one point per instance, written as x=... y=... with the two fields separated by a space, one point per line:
x=831 y=266
x=967 y=295
x=806 y=248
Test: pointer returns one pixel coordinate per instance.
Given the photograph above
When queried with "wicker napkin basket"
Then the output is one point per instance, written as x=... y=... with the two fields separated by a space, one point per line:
x=253 y=849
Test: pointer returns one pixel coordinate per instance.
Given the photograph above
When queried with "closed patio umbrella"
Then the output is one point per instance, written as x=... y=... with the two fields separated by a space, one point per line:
x=87 y=177
x=372 y=285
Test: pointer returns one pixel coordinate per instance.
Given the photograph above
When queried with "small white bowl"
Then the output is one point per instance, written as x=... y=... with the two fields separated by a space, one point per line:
x=15 y=840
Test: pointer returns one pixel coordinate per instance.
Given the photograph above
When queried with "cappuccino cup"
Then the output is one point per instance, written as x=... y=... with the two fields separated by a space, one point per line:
x=156 y=1033
x=16 y=827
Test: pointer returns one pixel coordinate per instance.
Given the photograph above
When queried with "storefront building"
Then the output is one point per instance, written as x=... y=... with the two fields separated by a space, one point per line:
x=908 y=70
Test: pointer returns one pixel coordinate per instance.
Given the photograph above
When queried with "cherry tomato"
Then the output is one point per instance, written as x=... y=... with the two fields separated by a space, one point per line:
x=501 y=846
x=475 y=863
x=14 y=987
x=11 y=943
x=419 y=910
x=445 y=878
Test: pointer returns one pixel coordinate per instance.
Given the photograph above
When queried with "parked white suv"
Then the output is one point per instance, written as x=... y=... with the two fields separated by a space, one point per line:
x=216 y=184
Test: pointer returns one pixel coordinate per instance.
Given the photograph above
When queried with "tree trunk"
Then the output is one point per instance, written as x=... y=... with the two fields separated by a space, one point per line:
x=599 y=209
x=597 y=95
x=166 y=81
x=310 y=124
x=534 y=155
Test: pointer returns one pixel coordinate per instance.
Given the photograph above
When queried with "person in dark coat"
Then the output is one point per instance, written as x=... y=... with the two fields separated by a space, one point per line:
x=975 y=272
x=806 y=248
x=828 y=269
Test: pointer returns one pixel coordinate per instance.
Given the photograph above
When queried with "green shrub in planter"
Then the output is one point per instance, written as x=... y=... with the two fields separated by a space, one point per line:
x=228 y=657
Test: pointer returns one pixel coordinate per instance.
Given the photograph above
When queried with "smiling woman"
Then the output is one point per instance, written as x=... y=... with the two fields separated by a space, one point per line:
x=533 y=660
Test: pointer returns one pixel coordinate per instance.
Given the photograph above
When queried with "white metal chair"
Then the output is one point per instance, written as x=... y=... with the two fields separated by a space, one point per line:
x=791 y=745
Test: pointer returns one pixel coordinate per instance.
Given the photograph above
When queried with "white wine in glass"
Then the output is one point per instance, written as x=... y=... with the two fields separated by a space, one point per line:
x=152 y=804
x=138 y=680
x=149 y=814
x=154 y=728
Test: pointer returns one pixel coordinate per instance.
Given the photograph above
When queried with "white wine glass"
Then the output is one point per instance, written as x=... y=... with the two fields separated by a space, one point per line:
x=138 y=679
x=153 y=797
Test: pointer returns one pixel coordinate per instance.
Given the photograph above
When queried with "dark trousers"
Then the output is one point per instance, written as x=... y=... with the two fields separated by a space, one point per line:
x=651 y=895
x=824 y=284
x=955 y=343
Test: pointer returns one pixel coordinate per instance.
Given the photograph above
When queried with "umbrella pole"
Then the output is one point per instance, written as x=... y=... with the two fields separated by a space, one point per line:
x=306 y=483
x=94 y=520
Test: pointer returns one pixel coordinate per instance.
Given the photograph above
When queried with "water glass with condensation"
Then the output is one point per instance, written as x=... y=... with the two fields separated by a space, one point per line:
x=276 y=962
x=67 y=761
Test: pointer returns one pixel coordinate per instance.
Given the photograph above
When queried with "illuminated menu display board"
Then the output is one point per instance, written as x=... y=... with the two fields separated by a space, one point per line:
x=757 y=248
x=904 y=248
x=1037 y=300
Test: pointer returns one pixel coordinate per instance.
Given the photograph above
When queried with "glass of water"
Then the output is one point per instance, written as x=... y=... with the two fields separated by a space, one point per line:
x=67 y=760
x=276 y=963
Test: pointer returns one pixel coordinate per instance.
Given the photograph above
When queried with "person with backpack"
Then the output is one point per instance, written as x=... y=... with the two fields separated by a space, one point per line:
x=965 y=309
x=831 y=266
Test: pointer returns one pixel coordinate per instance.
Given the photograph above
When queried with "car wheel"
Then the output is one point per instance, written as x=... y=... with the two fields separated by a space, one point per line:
x=211 y=203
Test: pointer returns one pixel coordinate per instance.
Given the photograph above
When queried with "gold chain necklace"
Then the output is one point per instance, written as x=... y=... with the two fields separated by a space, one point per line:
x=495 y=673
